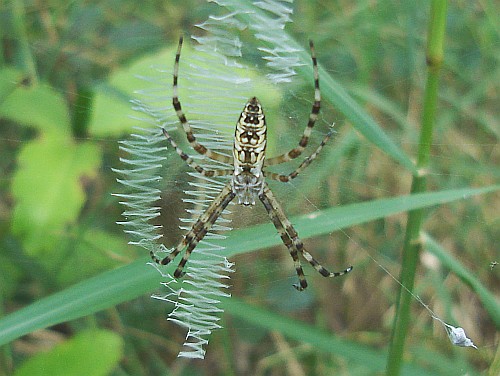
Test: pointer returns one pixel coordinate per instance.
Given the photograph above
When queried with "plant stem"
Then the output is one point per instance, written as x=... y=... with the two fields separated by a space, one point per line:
x=26 y=58
x=412 y=243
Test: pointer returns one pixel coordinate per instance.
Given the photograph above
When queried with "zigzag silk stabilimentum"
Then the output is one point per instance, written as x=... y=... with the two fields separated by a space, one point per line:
x=214 y=85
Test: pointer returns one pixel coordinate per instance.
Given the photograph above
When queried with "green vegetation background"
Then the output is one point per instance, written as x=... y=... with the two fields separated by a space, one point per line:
x=66 y=75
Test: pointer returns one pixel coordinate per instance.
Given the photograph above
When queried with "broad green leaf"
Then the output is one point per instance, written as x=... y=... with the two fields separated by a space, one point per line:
x=136 y=279
x=89 y=353
x=48 y=190
x=112 y=111
x=112 y=114
x=11 y=80
x=38 y=106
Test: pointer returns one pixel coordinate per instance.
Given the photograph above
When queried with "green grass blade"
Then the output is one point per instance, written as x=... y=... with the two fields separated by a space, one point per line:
x=87 y=297
x=331 y=219
x=324 y=341
x=487 y=299
x=136 y=279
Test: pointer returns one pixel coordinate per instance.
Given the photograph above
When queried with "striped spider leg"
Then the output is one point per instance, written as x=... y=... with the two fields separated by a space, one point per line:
x=291 y=239
x=297 y=151
x=248 y=177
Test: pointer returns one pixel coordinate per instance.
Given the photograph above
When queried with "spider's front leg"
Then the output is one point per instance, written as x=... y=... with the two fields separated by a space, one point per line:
x=191 y=163
x=176 y=103
x=313 y=116
x=306 y=162
x=198 y=231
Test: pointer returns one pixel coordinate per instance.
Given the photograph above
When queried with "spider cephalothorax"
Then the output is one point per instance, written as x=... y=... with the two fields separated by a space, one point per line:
x=248 y=176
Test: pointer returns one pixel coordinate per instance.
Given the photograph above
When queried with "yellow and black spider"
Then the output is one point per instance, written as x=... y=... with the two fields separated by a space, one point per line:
x=248 y=176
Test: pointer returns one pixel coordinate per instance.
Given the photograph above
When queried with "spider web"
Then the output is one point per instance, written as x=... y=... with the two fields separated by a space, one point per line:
x=154 y=141
x=218 y=67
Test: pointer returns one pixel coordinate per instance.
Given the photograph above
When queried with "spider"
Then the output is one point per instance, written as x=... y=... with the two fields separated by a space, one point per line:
x=247 y=182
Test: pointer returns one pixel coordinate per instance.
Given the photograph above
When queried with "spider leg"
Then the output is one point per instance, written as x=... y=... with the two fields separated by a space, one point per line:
x=292 y=234
x=191 y=163
x=286 y=240
x=295 y=152
x=198 y=230
x=199 y=148
x=302 y=166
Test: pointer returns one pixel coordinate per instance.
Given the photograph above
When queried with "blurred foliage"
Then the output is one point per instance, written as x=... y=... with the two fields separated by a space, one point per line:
x=103 y=350
x=66 y=75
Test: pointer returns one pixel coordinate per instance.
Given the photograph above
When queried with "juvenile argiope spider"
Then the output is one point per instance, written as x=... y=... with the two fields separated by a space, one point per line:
x=248 y=176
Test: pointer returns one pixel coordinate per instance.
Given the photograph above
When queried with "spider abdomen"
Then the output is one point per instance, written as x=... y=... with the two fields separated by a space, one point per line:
x=249 y=152
x=250 y=135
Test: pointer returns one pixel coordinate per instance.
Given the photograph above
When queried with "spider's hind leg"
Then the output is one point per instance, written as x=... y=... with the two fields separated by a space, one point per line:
x=197 y=231
x=291 y=238
x=286 y=240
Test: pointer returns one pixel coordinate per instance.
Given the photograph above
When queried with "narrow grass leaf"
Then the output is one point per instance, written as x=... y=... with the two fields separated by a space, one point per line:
x=466 y=276
x=336 y=218
x=327 y=342
x=128 y=282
